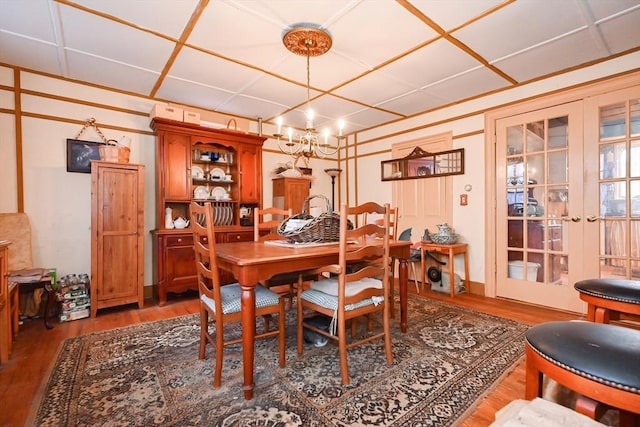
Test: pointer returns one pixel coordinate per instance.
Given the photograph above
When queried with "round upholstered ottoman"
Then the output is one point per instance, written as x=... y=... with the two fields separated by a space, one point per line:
x=607 y=298
x=599 y=361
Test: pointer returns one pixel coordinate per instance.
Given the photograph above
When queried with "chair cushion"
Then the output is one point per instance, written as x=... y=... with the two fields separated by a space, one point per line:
x=231 y=297
x=330 y=286
x=614 y=289
x=331 y=301
x=604 y=353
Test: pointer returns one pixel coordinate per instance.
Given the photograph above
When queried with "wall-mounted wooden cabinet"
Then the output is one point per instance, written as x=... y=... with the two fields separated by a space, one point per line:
x=200 y=163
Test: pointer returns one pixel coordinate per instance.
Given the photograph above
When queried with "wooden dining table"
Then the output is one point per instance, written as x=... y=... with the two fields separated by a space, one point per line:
x=251 y=262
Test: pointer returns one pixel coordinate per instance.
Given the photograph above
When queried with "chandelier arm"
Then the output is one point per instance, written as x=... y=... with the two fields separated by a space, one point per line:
x=290 y=148
x=328 y=150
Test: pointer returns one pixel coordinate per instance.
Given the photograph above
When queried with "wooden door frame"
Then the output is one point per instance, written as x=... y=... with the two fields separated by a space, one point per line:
x=575 y=93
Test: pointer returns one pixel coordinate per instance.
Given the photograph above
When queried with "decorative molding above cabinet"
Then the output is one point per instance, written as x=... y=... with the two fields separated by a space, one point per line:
x=201 y=164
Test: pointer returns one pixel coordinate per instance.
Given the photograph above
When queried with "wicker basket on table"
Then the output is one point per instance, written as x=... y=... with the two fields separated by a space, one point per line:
x=305 y=228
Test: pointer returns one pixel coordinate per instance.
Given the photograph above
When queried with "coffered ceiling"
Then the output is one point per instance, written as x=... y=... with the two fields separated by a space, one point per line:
x=389 y=59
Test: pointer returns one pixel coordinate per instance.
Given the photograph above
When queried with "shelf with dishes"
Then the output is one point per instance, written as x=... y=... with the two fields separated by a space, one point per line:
x=223 y=214
x=216 y=193
x=198 y=173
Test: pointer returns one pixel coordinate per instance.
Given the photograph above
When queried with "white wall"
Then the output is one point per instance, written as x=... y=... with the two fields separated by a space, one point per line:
x=58 y=202
x=466 y=122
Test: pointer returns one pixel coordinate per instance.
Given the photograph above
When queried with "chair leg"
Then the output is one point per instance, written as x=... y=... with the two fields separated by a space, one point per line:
x=342 y=344
x=282 y=336
x=392 y=281
x=204 y=331
x=300 y=319
x=387 y=334
x=219 y=357
x=267 y=320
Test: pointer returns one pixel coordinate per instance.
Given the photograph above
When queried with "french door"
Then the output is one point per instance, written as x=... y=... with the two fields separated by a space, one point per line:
x=539 y=209
x=613 y=209
x=568 y=198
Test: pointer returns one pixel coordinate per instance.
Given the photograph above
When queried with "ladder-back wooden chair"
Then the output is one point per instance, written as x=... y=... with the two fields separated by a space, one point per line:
x=352 y=293
x=221 y=305
x=265 y=225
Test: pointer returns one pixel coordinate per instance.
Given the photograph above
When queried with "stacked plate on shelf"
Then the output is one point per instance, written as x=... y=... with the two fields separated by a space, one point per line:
x=223 y=215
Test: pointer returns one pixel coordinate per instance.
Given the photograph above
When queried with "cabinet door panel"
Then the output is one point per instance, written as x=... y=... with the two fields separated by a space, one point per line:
x=181 y=268
x=177 y=167
x=250 y=163
x=119 y=274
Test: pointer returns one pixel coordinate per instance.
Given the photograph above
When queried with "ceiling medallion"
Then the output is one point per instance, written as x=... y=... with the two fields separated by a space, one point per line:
x=307 y=40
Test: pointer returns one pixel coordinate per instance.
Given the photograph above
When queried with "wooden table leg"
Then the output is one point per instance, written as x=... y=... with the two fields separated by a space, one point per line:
x=403 y=274
x=248 y=337
x=466 y=271
x=452 y=274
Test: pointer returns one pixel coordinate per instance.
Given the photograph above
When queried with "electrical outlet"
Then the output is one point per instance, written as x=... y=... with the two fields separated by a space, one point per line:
x=463 y=200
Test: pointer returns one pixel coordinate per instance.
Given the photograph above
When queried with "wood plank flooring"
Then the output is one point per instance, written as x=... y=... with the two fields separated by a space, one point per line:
x=22 y=378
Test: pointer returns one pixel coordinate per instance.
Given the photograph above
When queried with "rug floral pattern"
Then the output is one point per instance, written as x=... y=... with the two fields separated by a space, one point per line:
x=149 y=374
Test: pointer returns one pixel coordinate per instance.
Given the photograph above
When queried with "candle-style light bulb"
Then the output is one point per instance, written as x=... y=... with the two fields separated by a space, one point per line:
x=310 y=119
x=340 y=126
x=326 y=136
x=279 y=123
x=290 y=133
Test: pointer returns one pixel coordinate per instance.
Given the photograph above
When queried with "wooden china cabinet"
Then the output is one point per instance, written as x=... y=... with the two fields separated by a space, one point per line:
x=290 y=193
x=201 y=164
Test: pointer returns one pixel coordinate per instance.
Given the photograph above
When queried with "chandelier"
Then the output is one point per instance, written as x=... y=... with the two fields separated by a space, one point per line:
x=308 y=40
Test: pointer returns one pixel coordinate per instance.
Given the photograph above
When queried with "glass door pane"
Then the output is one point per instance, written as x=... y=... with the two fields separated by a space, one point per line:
x=537 y=192
x=619 y=190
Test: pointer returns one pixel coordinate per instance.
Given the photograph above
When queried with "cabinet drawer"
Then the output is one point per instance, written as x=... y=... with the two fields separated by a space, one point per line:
x=240 y=236
x=185 y=240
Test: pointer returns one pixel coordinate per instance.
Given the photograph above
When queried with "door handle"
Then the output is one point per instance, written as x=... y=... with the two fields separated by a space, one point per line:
x=593 y=218
x=576 y=218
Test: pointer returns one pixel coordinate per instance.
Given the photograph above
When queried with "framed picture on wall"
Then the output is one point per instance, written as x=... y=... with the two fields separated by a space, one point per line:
x=79 y=155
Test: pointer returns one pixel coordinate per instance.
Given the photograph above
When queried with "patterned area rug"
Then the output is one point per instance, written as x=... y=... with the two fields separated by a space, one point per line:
x=149 y=374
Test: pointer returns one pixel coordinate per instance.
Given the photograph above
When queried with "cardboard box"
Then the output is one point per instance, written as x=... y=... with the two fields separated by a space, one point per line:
x=166 y=112
x=67 y=316
x=191 y=117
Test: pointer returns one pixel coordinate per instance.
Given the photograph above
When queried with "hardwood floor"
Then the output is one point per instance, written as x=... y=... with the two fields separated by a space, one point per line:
x=22 y=378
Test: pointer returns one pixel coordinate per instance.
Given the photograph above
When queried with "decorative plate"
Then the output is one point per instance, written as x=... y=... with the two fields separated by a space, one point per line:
x=200 y=192
x=218 y=193
x=216 y=174
x=423 y=171
x=197 y=172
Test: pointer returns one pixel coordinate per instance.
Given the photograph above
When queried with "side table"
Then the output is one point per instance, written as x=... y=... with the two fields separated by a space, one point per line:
x=451 y=251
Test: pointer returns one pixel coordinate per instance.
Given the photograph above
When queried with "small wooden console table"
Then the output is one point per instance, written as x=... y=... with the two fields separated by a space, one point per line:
x=451 y=251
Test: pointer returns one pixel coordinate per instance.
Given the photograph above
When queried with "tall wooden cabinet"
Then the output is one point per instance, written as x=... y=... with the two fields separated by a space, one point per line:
x=5 y=305
x=117 y=234
x=200 y=163
x=290 y=193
